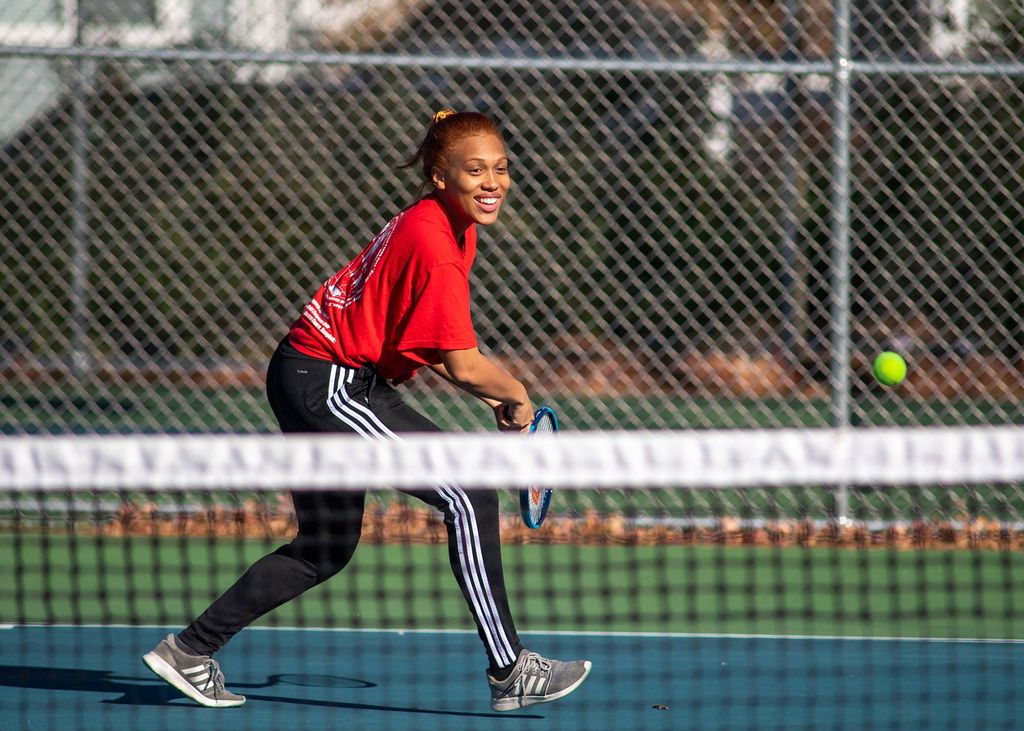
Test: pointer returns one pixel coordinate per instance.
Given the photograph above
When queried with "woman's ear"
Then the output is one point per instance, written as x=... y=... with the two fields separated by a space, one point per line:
x=438 y=178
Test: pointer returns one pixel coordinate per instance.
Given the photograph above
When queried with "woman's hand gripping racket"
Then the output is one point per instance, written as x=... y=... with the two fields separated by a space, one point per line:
x=534 y=500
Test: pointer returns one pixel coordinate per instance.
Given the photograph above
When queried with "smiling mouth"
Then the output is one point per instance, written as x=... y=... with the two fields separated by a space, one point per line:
x=488 y=202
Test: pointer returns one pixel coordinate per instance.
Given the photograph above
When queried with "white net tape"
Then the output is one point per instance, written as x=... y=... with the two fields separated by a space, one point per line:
x=697 y=459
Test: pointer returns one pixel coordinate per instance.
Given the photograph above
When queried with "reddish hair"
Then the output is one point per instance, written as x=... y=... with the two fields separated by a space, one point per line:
x=446 y=129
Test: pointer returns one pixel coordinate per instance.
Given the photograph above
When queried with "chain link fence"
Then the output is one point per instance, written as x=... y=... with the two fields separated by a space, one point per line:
x=721 y=210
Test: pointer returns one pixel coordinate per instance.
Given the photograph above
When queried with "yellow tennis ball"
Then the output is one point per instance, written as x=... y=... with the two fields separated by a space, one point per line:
x=889 y=368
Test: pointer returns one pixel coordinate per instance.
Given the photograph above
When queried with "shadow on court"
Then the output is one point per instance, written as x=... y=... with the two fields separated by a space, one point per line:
x=425 y=681
x=143 y=691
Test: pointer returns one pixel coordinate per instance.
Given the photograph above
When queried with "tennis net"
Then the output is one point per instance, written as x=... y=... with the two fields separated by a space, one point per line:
x=784 y=579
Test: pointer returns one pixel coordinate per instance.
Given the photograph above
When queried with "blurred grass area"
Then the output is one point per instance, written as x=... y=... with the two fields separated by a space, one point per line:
x=122 y=408
x=719 y=590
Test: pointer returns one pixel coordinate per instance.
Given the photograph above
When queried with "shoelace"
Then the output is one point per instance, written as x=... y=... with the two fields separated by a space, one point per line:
x=216 y=677
x=537 y=665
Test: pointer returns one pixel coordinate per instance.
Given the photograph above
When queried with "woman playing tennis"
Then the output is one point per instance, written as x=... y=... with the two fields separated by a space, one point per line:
x=403 y=303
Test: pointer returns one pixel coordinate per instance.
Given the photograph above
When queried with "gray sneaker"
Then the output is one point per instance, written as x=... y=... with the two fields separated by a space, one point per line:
x=197 y=676
x=536 y=679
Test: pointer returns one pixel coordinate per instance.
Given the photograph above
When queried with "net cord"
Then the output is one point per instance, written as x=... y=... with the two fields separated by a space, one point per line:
x=635 y=459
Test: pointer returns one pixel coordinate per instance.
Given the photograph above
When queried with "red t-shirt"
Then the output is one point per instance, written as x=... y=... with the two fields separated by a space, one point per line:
x=403 y=299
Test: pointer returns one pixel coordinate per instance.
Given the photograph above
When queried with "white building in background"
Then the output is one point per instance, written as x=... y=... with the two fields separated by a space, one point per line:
x=947 y=31
x=28 y=84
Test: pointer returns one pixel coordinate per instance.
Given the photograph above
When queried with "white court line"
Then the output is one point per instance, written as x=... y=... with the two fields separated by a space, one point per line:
x=564 y=633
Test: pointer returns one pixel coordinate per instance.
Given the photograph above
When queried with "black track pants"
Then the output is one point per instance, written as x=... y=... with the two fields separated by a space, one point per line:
x=309 y=395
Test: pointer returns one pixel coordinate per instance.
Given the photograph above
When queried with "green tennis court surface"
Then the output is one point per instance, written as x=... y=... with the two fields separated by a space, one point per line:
x=668 y=588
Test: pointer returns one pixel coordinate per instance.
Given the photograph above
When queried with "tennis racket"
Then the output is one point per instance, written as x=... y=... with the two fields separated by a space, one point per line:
x=535 y=500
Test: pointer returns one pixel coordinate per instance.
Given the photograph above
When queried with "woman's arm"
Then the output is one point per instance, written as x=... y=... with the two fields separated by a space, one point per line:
x=478 y=375
x=440 y=370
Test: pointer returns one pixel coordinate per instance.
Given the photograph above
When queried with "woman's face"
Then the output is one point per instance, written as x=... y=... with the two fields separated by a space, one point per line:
x=475 y=182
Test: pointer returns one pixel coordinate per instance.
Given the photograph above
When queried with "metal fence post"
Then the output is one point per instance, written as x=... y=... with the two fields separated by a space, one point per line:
x=79 y=201
x=840 y=391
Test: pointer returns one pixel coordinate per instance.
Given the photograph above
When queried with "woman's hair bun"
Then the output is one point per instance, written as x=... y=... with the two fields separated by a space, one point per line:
x=443 y=114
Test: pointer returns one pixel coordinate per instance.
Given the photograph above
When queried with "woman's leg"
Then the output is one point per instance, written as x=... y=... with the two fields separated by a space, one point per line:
x=329 y=523
x=470 y=517
x=329 y=526
x=474 y=550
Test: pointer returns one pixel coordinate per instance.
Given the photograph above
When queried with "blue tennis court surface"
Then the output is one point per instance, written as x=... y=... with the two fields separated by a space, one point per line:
x=67 y=677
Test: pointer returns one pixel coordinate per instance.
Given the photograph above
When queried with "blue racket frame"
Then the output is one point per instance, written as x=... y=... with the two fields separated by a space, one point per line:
x=533 y=518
